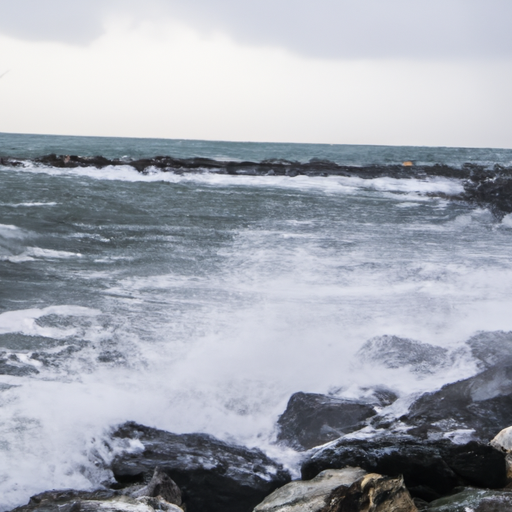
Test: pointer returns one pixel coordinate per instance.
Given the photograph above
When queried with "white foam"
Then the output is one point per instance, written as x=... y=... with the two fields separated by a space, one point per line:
x=332 y=184
x=29 y=205
x=38 y=252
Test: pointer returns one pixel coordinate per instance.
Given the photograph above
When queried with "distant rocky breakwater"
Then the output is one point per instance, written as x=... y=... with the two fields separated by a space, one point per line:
x=447 y=451
x=486 y=187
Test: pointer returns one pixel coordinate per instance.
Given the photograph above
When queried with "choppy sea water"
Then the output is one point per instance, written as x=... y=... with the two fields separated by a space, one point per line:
x=201 y=302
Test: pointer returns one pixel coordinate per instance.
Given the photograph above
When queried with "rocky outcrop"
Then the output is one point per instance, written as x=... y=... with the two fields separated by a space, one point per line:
x=311 y=419
x=213 y=476
x=345 y=490
x=431 y=469
x=489 y=188
x=482 y=403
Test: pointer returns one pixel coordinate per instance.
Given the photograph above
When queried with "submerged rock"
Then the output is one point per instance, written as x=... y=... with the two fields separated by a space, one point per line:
x=213 y=476
x=431 y=469
x=345 y=490
x=311 y=419
x=395 y=352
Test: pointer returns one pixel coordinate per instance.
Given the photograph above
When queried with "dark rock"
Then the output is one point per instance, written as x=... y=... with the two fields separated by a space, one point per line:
x=491 y=189
x=474 y=500
x=482 y=403
x=63 y=501
x=395 y=352
x=212 y=475
x=311 y=419
x=431 y=469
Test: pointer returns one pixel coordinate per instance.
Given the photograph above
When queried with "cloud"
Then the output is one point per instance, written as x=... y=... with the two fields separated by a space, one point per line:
x=69 y=21
x=331 y=29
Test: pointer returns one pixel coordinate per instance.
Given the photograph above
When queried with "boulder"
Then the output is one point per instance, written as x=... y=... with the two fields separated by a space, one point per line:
x=395 y=352
x=482 y=403
x=212 y=475
x=312 y=495
x=346 y=490
x=431 y=469
x=311 y=419
x=474 y=500
x=97 y=501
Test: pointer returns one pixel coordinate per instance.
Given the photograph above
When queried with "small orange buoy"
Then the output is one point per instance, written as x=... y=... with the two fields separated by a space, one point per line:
x=408 y=163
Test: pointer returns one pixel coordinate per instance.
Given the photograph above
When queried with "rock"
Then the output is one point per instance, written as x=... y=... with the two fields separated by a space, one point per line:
x=493 y=192
x=312 y=495
x=482 y=403
x=474 y=500
x=161 y=485
x=431 y=469
x=373 y=493
x=346 y=490
x=395 y=352
x=212 y=475
x=312 y=419
x=148 y=498
x=503 y=440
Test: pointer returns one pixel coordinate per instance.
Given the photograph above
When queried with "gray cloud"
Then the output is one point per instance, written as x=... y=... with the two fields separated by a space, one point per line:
x=69 y=21
x=431 y=29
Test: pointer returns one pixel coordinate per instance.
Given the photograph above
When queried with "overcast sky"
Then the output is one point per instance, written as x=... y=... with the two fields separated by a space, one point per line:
x=421 y=72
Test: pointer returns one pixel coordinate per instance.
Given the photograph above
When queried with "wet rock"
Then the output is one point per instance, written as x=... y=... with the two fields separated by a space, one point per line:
x=212 y=475
x=395 y=352
x=482 y=403
x=161 y=494
x=431 y=469
x=161 y=484
x=312 y=495
x=311 y=419
x=474 y=500
x=346 y=490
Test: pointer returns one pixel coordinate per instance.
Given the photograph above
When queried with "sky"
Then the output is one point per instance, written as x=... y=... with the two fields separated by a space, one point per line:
x=398 y=72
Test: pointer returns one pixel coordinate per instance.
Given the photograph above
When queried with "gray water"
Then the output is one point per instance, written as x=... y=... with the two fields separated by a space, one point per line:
x=202 y=302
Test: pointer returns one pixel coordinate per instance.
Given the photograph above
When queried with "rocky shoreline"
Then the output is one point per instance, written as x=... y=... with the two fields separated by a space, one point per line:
x=450 y=452
x=484 y=187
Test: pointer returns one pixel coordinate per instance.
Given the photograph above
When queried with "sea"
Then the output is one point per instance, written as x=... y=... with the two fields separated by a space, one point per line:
x=200 y=302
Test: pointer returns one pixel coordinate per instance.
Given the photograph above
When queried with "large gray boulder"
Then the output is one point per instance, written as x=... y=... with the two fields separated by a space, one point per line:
x=345 y=490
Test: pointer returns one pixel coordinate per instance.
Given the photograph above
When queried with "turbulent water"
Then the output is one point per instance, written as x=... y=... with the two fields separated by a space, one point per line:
x=201 y=302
